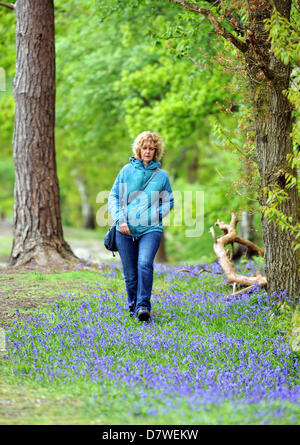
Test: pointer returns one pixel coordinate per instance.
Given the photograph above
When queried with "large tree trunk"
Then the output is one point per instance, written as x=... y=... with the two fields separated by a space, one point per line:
x=38 y=234
x=273 y=121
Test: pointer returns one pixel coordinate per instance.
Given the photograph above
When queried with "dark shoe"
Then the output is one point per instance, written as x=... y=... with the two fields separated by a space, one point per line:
x=143 y=314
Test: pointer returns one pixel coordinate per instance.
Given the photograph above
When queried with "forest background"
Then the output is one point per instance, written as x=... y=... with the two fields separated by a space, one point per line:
x=121 y=68
x=119 y=73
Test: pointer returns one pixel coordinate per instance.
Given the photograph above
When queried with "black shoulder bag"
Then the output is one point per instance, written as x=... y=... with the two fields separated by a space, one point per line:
x=110 y=237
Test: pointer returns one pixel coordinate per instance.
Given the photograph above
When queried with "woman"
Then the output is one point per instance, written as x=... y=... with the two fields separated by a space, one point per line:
x=138 y=215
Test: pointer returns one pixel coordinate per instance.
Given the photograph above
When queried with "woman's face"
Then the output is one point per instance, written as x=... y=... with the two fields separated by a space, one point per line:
x=147 y=154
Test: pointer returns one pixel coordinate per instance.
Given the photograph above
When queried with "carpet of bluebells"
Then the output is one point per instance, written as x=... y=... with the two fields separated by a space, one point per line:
x=199 y=350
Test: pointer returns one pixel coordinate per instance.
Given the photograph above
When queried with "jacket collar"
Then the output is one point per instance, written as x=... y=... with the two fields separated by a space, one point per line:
x=137 y=163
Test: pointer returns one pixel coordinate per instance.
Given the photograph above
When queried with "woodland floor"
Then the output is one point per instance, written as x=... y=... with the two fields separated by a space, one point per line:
x=190 y=310
x=23 y=289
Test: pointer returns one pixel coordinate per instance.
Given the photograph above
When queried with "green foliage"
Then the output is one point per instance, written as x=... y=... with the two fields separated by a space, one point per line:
x=7 y=64
x=120 y=70
x=275 y=197
x=285 y=43
x=130 y=79
x=284 y=318
x=176 y=100
x=6 y=190
x=284 y=35
x=89 y=127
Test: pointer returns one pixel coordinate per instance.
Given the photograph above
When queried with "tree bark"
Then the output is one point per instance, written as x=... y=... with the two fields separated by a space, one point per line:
x=38 y=234
x=272 y=112
x=87 y=210
x=246 y=232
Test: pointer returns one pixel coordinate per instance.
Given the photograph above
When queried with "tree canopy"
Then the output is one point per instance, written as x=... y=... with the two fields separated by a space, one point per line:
x=155 y=65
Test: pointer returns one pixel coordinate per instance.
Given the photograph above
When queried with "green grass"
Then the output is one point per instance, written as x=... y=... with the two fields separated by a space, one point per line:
x=5 y=246
x=82 y=401
x=83 y=234
x=25 y=404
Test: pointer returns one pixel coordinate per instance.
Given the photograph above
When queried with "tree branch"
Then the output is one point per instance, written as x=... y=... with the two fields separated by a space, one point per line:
x=250 y=245
x=219 y=29
x=229 y=236
x=8 y=5
x=213 y=2
x=246 y=289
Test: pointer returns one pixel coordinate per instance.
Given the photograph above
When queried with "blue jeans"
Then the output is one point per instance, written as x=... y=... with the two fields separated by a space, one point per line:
x=137 y=257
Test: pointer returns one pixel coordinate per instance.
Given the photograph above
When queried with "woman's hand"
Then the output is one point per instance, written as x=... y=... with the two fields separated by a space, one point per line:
x=124 y=228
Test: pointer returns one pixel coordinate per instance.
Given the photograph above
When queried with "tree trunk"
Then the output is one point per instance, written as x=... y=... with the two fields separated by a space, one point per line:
x=272 y=113
x=87 y=210
x=246 y=231
x=38 y=234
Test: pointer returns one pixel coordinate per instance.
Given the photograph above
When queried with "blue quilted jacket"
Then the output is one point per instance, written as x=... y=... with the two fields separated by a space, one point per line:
x=143 y=213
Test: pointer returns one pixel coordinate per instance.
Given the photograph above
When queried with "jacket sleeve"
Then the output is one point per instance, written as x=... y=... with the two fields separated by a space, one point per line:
x=117 y=200
x=166 y=199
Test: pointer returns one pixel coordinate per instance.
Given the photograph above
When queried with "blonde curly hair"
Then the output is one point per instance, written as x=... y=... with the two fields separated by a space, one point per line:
x=148 y=139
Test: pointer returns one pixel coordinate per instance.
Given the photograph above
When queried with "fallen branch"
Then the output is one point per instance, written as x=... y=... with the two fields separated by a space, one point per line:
x=195 y=273
x=250 y=245
x=229 y=237
x=234 y=294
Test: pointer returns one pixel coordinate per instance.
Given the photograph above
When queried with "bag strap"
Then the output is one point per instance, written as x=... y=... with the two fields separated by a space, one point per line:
x=145 y=185
x=152 y=176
